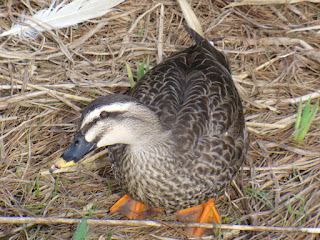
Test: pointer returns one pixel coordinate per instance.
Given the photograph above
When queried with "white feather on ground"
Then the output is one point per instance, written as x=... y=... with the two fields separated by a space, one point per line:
x=61 y=16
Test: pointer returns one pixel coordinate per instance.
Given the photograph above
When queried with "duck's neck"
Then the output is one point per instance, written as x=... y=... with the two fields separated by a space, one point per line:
x=154 y=139
x=157 y=146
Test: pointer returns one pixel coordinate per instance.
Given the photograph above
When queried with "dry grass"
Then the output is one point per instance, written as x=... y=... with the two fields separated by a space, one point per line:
x=46 y=82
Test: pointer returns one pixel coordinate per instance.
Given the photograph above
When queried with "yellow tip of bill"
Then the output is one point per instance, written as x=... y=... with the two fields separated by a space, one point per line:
x=61 y=163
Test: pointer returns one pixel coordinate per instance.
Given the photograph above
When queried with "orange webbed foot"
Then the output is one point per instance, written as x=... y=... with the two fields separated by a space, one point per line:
x=133 y=209
x=204 y=213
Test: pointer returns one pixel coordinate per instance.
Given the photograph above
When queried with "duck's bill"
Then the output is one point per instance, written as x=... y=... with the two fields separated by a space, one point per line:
x=75 y=152
x=61 y=163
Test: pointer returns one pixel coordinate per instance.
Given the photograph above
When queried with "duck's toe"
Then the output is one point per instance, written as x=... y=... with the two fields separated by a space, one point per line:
x=204 y=213
x=133 y=209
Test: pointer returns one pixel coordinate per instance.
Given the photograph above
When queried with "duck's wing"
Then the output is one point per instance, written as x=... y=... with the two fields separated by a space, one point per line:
x=193 y=90
x=210 y=121
x=211 y=104
x=162 y=88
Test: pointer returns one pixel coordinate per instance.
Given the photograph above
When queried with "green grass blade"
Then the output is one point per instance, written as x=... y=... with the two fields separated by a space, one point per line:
x=55 y=192
x=303 y=205
x=305 y=114
x=82 y=230
x=148 y=64
x=260 y=196
x=109 y=235
x=130 y=76
x=314 y=110
x=306 y=121
x=311 y=117
x=140 y=70
x=297 y=126
x=140 y=30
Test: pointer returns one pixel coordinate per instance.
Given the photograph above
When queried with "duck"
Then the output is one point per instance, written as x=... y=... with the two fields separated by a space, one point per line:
x=175 y=141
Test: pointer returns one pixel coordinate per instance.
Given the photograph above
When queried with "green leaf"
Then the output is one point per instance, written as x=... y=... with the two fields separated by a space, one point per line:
x=109 y=235
x=148 y=64
x=140 y=30
x=311 y=117
x=305 y=114
x=140 y=70
x=56 y=185
x=261 y=196
x=304 y=122
x=297 y=126
x=132 y=82
x=82 y=230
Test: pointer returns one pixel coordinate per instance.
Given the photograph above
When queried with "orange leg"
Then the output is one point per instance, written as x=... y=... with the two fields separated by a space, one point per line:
x=204 y=213
x=133 y=209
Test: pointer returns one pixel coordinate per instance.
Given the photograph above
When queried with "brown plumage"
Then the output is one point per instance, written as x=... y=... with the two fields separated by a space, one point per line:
x=179 y=138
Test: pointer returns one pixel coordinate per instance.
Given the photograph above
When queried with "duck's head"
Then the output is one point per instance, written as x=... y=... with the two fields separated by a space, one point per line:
x=110 y=120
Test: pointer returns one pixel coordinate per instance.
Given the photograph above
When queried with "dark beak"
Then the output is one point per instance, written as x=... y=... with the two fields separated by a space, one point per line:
x=74 y=153
x=78 y=149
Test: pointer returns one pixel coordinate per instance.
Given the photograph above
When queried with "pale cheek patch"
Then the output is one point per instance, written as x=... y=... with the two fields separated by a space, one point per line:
x=118 y=135
x=115 y=107
x=93 y=132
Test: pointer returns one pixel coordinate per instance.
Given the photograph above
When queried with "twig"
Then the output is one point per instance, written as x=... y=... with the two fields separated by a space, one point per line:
x=24 y=123
x=127 y=37
x=160 y=41
x=6 y=101
x=65 y=86
x=266 y=125
x=303 y=165
x=138 y=223
x=294 y=9
x=266 y=2
x=218 y=20
x=66 y=101
x=305 y=29
x=303 y=98
x=54 y=92
x=300 y=151
x=285 y=41
x=247 y=74
x=190 y=16
x=3 y=119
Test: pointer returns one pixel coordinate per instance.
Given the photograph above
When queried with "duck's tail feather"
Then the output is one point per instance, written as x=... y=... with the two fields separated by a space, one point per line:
x=196 y=36
x=204 y=43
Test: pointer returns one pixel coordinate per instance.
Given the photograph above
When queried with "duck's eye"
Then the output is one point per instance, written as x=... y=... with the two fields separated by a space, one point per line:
x=104 y=114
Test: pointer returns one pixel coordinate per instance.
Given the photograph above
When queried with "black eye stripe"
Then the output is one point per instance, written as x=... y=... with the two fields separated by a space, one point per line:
x=89 y=125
